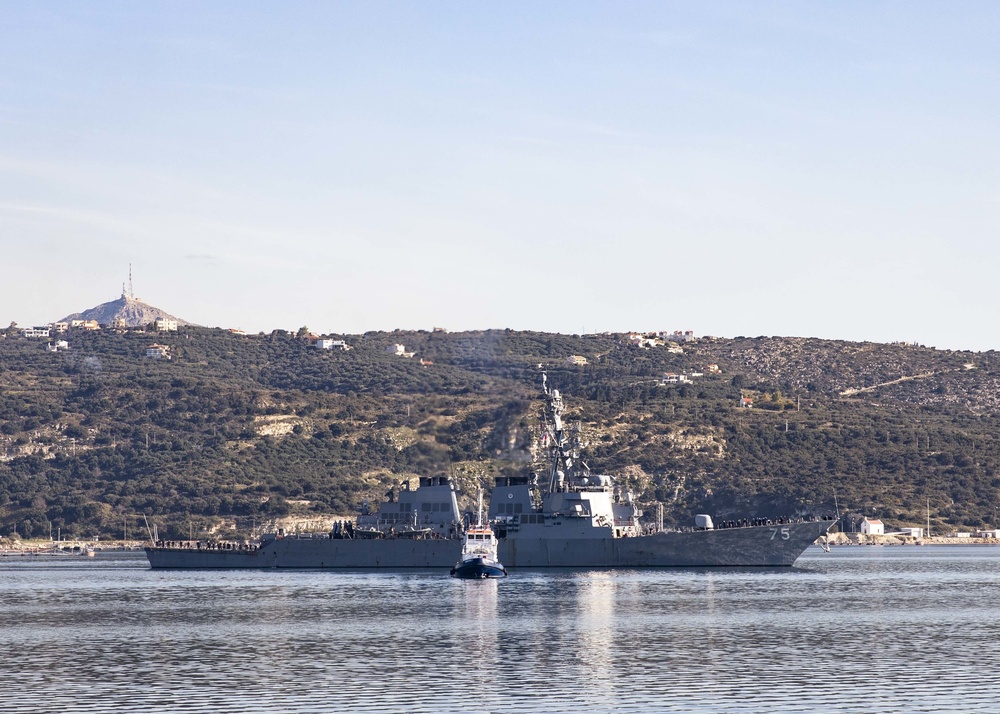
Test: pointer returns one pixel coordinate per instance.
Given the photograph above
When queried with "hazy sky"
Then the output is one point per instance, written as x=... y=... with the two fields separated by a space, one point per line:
x=797 y=168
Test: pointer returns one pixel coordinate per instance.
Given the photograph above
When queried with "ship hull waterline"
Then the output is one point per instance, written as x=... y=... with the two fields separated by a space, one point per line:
x=757 y=546
x=478 y=569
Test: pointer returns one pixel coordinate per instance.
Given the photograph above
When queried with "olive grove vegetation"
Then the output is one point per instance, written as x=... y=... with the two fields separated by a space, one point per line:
x=235 y=431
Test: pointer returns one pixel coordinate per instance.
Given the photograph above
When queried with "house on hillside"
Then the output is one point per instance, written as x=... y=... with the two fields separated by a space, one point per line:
x=163 y=324
x=158 y=351
x=746 y=402
x=678 y=336
x=872 y=526
x=576 y=360
x=642 y=341
x=674 y=378
x=399 y=350
x=59 y=346
x=36 y=332
x=325 y=344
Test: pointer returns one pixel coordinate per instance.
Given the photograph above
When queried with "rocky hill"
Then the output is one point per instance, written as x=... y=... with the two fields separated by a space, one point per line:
x=133 y=311
x=238 y=429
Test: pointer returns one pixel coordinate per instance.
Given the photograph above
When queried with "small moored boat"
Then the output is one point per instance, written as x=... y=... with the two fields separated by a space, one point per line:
x=479 y=552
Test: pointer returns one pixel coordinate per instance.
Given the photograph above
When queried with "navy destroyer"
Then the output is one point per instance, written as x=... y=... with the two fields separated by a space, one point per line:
x=576 y=519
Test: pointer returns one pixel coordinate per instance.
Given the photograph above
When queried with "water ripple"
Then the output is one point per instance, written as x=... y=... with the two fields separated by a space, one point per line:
x=887 y=630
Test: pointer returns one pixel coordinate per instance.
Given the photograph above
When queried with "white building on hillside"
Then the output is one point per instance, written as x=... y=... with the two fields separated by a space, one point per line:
x=872 y=526
x=157 y=351
x=325 y=344
x=678 y=336
x=399 y=350
x=674 y=378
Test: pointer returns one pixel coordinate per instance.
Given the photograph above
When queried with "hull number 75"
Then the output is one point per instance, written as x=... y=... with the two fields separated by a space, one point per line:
x=783 y=531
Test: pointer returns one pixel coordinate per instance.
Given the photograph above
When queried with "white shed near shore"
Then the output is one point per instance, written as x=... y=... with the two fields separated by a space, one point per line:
x=872 y=526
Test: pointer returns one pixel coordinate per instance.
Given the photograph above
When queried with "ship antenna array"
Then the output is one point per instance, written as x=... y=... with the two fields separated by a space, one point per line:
x=562 y=449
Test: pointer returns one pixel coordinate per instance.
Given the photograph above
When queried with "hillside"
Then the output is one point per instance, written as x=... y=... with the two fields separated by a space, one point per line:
x=235 y=430
x=132 y=311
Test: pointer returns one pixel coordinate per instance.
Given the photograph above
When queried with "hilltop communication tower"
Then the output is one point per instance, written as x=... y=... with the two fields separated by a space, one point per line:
x=130 y=293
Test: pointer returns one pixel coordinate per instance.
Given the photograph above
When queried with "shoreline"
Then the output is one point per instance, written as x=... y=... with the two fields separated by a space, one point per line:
x=18 y=547
x=846 y=539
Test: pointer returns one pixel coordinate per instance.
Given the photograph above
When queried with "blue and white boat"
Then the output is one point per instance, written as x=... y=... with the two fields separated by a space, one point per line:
x=479 y=556
x=479 y=552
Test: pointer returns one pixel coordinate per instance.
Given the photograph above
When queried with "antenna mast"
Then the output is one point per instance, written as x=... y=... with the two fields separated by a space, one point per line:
x=131 y=291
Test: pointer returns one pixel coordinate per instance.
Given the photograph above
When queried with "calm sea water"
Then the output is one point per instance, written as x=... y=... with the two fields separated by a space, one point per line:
x=861 y=629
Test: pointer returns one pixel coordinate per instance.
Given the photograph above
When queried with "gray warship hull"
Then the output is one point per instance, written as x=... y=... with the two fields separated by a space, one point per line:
x=771 y=545
x=777 y=545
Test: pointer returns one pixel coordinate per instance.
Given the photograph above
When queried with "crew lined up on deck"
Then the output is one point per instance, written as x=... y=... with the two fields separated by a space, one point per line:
x=752 y=522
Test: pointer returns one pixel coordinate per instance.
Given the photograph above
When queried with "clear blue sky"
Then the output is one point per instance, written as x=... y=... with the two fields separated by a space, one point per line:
x=794 y=168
